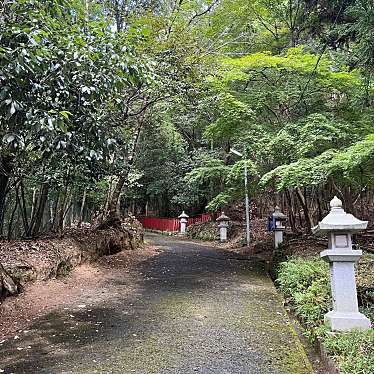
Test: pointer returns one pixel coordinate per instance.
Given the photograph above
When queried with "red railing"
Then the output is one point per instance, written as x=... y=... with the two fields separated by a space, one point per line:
x=205 y=217
x=171 y=224
x=162 y=224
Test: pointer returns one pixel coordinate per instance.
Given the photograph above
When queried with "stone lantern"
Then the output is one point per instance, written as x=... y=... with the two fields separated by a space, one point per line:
x=183 y=220
x=339 y=227
x=223 y=224
x=278 y=226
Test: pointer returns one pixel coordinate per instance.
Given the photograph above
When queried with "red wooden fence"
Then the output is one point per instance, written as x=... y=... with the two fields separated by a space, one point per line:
x=171 y=224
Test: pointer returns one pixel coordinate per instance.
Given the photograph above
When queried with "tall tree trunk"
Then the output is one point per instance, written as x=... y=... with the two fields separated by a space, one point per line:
x=114 y=201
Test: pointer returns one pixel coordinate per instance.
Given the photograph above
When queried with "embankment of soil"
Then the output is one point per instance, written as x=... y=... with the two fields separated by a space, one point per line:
x=23 y=262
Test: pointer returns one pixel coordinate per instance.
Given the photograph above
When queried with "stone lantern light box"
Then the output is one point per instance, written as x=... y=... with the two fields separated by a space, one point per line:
x=279 y=219
x=339 y=227
x=278 y=226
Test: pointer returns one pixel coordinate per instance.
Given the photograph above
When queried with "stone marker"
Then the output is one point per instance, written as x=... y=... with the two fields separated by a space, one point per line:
x=339 y=226
x=223 y=224
x=278 y=226
x=183 y=220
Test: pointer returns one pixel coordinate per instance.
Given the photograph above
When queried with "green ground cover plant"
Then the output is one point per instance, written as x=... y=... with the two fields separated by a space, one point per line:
x=305 y=284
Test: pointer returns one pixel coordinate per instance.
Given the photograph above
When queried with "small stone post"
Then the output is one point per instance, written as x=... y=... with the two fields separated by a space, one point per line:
x=278 y=219
x=183 y=220
x=339 y=226
x=223 y=224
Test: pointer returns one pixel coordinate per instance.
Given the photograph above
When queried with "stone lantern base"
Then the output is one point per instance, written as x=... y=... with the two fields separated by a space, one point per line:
x=345 y=315
x=341 y=321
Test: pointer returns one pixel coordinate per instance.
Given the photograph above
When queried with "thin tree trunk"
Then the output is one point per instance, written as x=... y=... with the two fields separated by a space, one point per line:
x=61 y=210
x=5 y=169
x=304 y=205
x=23 y=208
x=11 y=220
x=4 y=179
x=67 y=210
x=34 y=200
x=55 y=211
x=291 y=214
x=109 y=194
x=35 y=225
x=82 y=208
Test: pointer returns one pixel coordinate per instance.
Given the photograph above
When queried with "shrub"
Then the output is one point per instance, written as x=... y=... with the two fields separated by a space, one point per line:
x=207 y=231
x=306 y=284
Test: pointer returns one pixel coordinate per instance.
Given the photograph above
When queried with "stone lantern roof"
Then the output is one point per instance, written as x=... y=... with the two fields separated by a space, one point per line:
x=184 y=215
x=223 y=217
x=278 y=215
x=339 y=220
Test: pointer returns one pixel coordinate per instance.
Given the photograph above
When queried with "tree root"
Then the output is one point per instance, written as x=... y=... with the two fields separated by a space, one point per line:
x=7 y=284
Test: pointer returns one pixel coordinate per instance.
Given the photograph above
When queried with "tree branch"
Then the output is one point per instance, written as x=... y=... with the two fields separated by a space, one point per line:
x=207 y=10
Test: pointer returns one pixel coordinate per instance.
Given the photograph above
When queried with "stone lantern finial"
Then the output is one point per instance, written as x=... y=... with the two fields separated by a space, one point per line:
x=336 y=203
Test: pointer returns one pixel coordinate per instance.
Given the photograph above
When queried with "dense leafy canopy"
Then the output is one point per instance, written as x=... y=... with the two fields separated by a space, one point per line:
x=108 y=106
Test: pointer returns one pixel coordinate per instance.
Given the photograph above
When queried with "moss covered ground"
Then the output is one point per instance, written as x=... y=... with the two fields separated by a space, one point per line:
x=192 y=309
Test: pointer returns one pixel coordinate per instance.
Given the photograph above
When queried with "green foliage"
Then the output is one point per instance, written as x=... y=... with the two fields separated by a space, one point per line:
x=316 y=171
x=62 y=78
x=234 y=116
x=304 y=172
x=310 y=137
x=212 y=171
x=354 y=351
x=221 y=200
x=355 y=159
x=306 y=284
x=362 y=11
x=91 y=90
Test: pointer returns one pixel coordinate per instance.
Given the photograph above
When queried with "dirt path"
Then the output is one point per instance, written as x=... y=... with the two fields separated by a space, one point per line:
x=183 y=308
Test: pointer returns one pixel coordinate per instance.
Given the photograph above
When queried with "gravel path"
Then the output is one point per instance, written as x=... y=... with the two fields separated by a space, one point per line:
x=191 y=309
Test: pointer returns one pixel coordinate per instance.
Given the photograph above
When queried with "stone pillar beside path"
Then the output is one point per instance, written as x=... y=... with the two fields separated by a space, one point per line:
x=223 y=224
x=183 y=222
x=339 y=226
